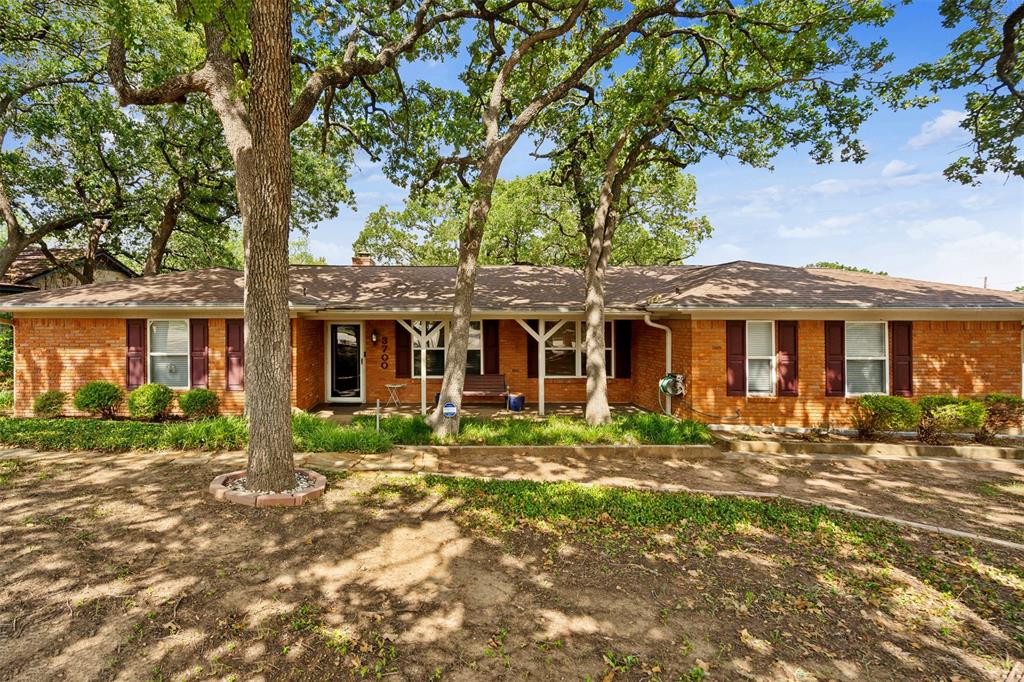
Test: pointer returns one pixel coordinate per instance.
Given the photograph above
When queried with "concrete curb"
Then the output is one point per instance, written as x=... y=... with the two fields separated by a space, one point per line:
x=875 y=449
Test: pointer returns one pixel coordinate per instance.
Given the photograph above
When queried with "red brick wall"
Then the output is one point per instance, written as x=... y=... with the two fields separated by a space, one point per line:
x=64 y=354
x=307 y=363
x=965 y=358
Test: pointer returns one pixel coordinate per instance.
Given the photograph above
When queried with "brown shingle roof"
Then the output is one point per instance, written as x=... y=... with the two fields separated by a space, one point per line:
x=32 y=262
x=738 y=284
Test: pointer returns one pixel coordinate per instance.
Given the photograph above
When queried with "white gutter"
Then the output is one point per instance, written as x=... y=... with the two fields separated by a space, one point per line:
x=668 y=348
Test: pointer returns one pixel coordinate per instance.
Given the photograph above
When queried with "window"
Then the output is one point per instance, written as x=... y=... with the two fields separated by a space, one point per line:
x=565 y=352
x=866 y=358
x=168 y=353
x=437 y=347
x=760 y=357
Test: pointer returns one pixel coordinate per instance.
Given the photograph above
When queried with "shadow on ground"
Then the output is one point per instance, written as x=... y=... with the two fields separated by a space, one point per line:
x=121 y=571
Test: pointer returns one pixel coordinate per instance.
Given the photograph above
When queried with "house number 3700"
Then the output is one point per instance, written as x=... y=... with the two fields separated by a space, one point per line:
x=384 y=352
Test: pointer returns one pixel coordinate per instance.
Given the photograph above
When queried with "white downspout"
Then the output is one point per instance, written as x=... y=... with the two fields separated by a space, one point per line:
x=668 y=348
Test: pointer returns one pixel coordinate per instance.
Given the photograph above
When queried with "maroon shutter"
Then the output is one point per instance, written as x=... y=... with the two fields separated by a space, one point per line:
x=835 y=358
x=623 y=330
x=902 y=360
x=402 y=352
x=491 y=338
x=135 y=334
x=199 y=349
x=786 y=342
x=735 y=357
x=234 y=354
x=531 y=350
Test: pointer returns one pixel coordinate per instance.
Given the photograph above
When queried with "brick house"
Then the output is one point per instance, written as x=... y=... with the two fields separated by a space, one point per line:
x=758 y=343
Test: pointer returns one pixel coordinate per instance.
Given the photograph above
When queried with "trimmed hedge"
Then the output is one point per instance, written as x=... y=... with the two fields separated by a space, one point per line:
x=942 y=415
x=150 y=401
x=1004 y=411
x=99 y=397
x=49 y=403
x=873 y=414
x=199 y=402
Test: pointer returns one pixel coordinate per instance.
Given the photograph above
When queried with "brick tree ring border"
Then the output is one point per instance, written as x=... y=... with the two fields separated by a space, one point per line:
x=221 y=491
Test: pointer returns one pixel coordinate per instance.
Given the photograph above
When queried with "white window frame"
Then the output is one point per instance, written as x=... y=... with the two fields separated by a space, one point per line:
x=188 y=352
x=884 y=358
x=770 y=358
x=580 y=348
x=446 y=328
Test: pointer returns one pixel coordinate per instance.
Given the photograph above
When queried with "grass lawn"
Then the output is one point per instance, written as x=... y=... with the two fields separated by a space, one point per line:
x=132 y=572
x=312 y=434
x=630 y=429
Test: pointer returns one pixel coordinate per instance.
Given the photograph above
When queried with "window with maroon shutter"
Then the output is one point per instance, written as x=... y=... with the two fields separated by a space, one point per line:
x=135 y=334
x=902 y=358
x=199 y=350
x=786 y=343
x=234 y=354
x=401 y=351
x=835 y=358
x=491 y=345
x=736 y=357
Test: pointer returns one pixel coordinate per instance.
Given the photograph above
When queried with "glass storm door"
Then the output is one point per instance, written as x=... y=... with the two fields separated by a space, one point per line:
x=346 y=362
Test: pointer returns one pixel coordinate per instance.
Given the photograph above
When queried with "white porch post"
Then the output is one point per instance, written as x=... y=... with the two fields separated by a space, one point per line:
x=541 y=339
x=421 y=336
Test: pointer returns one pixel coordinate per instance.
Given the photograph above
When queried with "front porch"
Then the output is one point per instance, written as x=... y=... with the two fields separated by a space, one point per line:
x=343 y=413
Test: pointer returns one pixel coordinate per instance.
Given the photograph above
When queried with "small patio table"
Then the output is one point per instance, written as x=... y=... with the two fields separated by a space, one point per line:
x=393 y=390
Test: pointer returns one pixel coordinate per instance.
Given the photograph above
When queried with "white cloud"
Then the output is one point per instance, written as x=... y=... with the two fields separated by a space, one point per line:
x=945 y=229
x=827 y=227
x=945 y=125
x=897 y=167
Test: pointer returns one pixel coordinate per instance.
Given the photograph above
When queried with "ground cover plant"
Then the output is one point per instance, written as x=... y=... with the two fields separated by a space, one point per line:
x=630 y=429
x=129 y=577
x=311 y=434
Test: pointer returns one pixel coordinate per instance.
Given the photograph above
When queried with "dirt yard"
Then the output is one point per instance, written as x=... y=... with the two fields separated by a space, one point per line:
x=131 y=572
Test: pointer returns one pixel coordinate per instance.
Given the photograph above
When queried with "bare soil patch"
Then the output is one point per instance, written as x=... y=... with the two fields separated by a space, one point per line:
x=131 y=572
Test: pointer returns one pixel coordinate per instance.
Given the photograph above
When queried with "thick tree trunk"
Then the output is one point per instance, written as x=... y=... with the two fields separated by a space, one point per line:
x=168 y=221
x=462 y=310
x=597 y=409
x=264 y=177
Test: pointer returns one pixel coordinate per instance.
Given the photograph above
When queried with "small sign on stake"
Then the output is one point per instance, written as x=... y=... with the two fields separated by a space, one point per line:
x=449 y=410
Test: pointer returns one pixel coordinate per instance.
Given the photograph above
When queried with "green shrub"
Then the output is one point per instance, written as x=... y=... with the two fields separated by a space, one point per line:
x=6 y=400
x=1004 y=412
x=150 y=402
x=199 y=402
x=218 y=433
x=49 y=403
x=99 y=397
x=873 y=414
x=942 y=415
x=80 y=434
x=313 y=434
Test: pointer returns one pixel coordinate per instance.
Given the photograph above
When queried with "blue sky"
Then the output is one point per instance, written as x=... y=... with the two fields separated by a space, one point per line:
x=894 y=212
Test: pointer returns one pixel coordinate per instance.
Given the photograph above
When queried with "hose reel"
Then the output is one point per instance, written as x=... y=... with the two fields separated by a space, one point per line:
x=673 y=385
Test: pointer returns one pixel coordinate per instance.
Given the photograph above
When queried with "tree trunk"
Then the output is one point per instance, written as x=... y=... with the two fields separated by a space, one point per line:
x=465 y=281
x=168 y=221
x=597 y=410
x=264 y=178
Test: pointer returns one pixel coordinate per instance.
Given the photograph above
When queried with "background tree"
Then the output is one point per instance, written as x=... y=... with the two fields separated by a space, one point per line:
x=832 y=265
x=520 y=62
x=764 y=79
x=50 y=50
x=535 y=221
x=984 y=60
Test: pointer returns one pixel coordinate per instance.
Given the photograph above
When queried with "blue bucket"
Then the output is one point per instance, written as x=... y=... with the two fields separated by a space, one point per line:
x=516 y=402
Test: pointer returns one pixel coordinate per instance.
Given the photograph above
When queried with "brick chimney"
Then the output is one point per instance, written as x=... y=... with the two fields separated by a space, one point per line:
x=362 y=258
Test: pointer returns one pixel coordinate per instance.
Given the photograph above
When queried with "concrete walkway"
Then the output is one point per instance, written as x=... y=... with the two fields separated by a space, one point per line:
x=977 y=500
